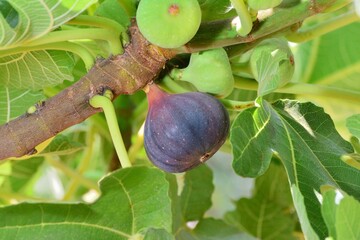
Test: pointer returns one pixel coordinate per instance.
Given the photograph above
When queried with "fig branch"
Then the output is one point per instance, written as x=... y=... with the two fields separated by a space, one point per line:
x=140 y=64
x=122 y=74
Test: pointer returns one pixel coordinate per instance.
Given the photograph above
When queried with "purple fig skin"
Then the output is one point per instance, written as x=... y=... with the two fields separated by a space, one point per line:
x=183 y=130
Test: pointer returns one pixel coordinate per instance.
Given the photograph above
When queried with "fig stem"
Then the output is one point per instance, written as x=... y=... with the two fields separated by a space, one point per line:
x=303 y=89
x=244 y=16
x=236 y=105
x=170 y=85
x=104 y=102
x=324 y=27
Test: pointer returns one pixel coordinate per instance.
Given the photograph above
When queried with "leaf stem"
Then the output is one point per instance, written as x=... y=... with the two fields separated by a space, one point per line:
x=281 y=22
x=303 y=89
x=101 y=22
x=324 y=27
x=171 y=85
x=245 y=24
x=105 y=103
x=236 y=105
x=77 y=49
x=81 y=34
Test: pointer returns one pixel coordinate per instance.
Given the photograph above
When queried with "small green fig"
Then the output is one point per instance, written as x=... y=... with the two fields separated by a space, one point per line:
x=209 y=71
x=263 y=4
x=168 y=23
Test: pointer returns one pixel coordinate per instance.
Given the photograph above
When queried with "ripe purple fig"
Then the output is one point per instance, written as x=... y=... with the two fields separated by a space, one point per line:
x=183 y=130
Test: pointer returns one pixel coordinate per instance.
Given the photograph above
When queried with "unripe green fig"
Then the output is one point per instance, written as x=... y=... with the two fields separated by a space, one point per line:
x=263 y=4
x=168 y=23
x=209 y=71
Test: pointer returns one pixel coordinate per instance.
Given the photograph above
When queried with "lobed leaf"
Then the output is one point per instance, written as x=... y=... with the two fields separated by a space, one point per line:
x=133 y=200
x=306 y=141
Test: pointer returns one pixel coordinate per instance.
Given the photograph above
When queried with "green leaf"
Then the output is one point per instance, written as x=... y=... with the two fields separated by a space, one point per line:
x=36 y=70
x=156 y=234
x=250 y=137
x=62 y=145
x=272 y=64
x=306 y=141
x=195 y=197
x=347 y=219
x=341 y=218
x=328 y=211
x=9 y=13
x=22 y=171
x=273 y=186
x=215 y=10
x=260 y=217
x=214 y=229
x=35 y=19
x=302 y=214
x=112 y=9
x=267 y=209
x=353 y=124
x=132 y=200
x=14 y=103
x=342 y=66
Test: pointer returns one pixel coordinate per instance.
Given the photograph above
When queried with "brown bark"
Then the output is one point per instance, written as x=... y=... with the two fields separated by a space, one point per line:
x=122 y=74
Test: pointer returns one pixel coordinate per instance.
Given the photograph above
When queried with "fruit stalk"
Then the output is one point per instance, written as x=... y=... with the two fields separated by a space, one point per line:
x=105 y=103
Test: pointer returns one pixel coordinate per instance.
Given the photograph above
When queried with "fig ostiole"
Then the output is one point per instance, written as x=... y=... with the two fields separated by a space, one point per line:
x=168 y=23
x=209 y=71
x=183 y=130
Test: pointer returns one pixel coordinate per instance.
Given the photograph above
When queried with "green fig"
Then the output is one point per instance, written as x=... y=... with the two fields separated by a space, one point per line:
x=168 y=23
x=263 y=4
x=209 y=71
